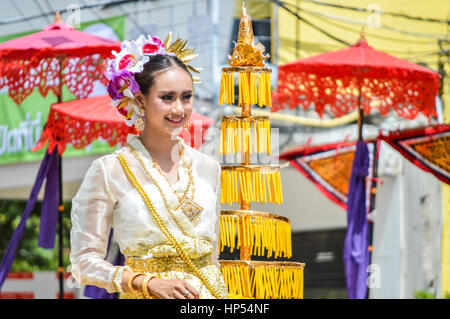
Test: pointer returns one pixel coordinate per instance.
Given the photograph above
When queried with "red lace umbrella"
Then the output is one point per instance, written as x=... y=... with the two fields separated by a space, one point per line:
x=58 y=55
x=358 y=77
x=80 y=122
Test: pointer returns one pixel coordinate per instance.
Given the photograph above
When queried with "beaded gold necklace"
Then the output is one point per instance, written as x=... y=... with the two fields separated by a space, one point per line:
x=187 y=205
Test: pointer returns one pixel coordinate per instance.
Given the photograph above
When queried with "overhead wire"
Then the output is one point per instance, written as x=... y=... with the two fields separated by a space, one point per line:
x=36 y=2
x=374 y=35
x=53 y=12
x=383 y=26
x=394 y=14
x=19 y=9
x=283 y=5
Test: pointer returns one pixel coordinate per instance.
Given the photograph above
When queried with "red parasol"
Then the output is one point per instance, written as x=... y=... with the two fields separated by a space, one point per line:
x=80 y=122
x=336 y=79
x=58 y=55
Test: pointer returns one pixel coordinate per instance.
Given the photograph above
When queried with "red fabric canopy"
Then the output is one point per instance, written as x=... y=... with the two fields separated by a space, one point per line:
x=57 y=55
x=80 y=122
x=57 y=39
x=334 y=79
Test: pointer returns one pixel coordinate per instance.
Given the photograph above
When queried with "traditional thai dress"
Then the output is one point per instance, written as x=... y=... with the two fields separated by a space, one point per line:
x=107 y=200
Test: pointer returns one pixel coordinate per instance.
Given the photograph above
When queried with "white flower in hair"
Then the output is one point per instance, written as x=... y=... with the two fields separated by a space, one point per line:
x=129 y=58
x=130 y=110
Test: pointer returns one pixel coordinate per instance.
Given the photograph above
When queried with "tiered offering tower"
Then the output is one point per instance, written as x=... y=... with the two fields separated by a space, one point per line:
x=254 y=232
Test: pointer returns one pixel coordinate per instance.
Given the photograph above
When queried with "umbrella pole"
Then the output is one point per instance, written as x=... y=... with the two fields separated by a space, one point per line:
x=60 y=206
x=60 y=231
x=360 y=114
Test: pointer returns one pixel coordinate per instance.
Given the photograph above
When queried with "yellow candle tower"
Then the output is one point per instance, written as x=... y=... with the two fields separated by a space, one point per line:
x=253 y=232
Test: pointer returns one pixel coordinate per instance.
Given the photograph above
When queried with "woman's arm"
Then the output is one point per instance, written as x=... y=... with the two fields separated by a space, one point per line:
x=92 y=213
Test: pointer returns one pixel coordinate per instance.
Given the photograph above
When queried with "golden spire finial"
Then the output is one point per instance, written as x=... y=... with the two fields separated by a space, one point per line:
x=362 y=38
x=245 y=35
x=58 y=17
x=362 y=35
x=245 y=52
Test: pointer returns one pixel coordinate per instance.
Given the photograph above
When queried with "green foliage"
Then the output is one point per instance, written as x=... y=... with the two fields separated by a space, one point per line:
x=29 y=256
x=422 y=294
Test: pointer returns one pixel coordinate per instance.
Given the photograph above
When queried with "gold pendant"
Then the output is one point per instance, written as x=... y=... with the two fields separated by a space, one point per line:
x=191 y=209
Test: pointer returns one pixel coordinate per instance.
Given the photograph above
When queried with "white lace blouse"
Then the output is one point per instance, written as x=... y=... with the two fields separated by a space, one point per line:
x=106 y=199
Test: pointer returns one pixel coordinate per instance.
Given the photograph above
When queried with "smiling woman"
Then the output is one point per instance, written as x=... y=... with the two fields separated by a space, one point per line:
x=159 y=195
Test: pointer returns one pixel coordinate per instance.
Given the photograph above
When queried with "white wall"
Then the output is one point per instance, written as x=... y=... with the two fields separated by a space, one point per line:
x=407 y=230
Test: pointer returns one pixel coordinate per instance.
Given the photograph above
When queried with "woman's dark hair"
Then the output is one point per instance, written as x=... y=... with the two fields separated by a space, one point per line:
x=156 y=64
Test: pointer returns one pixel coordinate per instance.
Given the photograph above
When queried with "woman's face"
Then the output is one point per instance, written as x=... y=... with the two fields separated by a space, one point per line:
x=169 y=102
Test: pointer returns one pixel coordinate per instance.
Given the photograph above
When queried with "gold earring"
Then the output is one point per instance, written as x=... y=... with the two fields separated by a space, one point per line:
x=187 y=126
x=140 y=124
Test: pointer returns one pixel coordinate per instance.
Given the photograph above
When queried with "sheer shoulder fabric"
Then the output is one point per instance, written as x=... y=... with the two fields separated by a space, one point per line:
x=92 y=216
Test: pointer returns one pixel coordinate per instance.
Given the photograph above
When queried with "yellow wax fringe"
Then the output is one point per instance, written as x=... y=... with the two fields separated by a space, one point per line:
x=227 y=233
x=261 y=85
x=253 y=189
x=236 y=136
x=226 y=94
x=251 y=86
x=241 y=89
x=254 y=88
x=268 y=138
x=221 y=235
x=269 y=91
x=258 y=233
x=251 y=185
x=246 y=88
x=232 y=87
x=236 y=186
x=263 y=88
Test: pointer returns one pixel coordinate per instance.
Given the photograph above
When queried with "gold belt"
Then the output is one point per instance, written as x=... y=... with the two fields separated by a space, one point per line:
x=162 y=264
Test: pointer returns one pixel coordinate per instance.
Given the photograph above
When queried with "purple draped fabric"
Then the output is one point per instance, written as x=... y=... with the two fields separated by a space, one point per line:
x=100 y=293
x=49 y=211
x=356 y=246
x=49 y=167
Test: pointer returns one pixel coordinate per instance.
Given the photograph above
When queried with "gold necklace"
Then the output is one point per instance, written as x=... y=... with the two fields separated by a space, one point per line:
x=190 y=184
x=190 y=208
x=190 y=181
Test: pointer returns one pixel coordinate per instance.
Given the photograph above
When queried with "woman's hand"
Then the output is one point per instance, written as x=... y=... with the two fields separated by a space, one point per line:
x=171 y=289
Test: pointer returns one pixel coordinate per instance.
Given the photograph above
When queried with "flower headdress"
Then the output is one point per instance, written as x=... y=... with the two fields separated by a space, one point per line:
x=133 y=55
